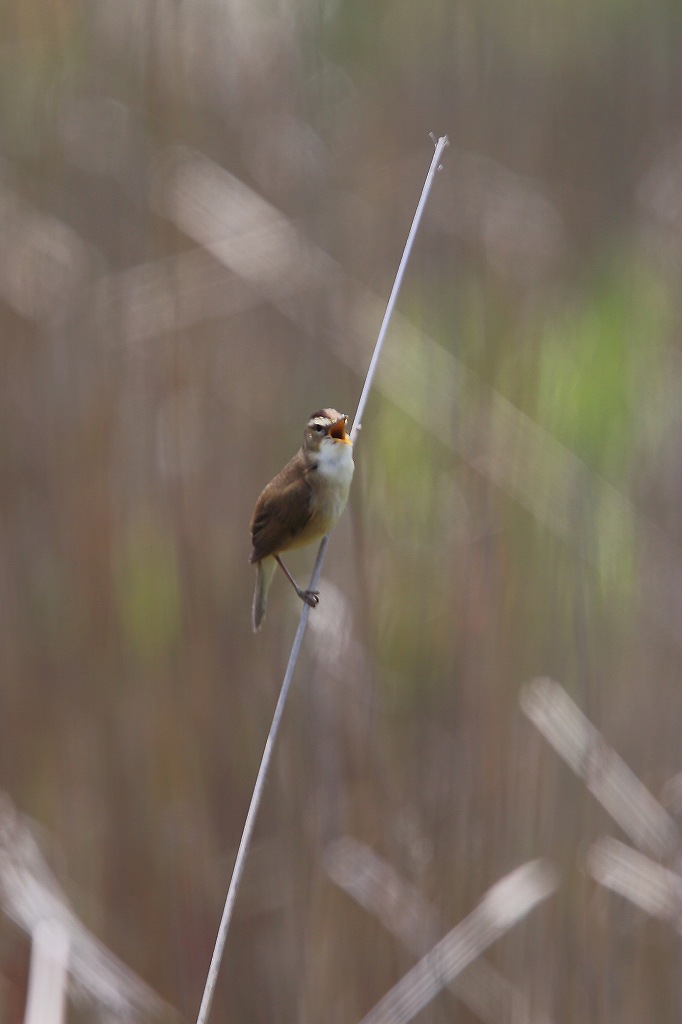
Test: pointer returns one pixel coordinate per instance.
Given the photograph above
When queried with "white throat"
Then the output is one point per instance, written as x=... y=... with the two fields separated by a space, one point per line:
x=335 y=462
x=334 y=472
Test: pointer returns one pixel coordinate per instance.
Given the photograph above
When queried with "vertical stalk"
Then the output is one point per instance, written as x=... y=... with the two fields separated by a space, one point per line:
x=237 y=871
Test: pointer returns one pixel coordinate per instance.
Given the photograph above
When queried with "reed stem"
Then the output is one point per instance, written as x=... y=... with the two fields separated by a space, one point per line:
x=237 y=871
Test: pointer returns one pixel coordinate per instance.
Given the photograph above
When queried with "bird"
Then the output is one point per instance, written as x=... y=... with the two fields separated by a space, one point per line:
x=301 y=504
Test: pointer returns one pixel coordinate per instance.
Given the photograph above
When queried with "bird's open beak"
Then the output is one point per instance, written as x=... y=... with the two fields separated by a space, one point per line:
x=338 y=431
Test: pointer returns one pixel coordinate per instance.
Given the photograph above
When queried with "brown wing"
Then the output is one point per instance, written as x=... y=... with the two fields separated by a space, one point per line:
x=283 y=509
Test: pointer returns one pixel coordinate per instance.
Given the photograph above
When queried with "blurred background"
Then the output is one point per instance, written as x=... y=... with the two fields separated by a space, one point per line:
x=202 y=209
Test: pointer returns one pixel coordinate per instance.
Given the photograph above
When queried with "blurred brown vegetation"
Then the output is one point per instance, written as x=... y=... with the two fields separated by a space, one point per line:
x=202 y=207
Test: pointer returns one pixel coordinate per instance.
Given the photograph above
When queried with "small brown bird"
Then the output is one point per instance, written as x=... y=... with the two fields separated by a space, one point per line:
x=302 y=503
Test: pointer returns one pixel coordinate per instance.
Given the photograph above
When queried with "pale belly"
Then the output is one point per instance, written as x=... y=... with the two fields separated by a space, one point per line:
x=334 y=478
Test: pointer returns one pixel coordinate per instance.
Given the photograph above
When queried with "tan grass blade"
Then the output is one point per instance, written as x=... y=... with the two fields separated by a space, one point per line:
x=503 y=906
x=377 y=887
x=605 y=774
x=654 y=889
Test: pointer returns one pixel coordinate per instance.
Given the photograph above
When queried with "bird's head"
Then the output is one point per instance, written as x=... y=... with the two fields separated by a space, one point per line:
x=325 y=427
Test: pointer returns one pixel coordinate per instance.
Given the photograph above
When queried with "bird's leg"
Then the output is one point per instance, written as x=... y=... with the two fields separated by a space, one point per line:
x=310 y=597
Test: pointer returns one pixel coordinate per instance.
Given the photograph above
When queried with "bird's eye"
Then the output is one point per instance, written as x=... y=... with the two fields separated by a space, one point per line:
x=318 y=428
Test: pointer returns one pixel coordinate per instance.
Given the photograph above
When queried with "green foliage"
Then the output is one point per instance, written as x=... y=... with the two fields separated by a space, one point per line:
x=595 y=358
x=149 y=593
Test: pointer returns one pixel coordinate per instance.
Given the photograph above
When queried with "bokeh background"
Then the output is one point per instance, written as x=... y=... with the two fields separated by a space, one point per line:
x=202 y=208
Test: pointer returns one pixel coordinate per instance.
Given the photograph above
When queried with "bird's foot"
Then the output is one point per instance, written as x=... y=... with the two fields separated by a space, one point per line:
x=310 y=597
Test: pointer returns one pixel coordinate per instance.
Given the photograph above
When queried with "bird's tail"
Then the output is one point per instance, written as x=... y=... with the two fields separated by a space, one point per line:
x=266 y=570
